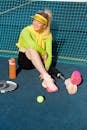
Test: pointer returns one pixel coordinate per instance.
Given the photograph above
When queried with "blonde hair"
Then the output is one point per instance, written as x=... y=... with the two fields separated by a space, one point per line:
x=48 y=15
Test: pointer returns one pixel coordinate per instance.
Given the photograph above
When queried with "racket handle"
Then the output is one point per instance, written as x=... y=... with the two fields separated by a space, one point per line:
x=59 y=75
x=56 y=73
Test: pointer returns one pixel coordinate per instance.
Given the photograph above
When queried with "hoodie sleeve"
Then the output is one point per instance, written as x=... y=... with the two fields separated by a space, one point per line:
x=25 y=41
x=49 y=52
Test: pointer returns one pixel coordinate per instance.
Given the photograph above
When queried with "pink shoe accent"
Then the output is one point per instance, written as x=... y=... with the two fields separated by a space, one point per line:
x=50 y=90
x=76 y=78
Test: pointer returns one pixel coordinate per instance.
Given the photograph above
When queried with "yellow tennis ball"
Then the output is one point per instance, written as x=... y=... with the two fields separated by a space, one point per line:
x=40 y=99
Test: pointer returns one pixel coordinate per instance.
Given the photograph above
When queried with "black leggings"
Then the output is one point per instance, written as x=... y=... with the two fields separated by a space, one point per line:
x=24 y=62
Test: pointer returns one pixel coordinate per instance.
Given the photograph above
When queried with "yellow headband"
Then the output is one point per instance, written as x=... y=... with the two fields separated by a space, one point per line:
x=40 y=18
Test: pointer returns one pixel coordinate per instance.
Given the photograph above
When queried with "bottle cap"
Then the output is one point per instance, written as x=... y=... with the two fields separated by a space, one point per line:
x=11 y=60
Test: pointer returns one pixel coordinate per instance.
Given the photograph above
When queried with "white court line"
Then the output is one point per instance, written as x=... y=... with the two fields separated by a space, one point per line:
x=14 y=8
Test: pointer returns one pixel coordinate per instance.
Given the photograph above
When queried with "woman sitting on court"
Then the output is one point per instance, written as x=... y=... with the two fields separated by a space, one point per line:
x=35 y=48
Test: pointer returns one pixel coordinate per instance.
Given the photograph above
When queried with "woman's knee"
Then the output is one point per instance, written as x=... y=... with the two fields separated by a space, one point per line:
x=30 y=52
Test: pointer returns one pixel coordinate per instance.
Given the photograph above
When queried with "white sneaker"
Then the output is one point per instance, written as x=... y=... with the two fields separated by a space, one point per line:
x=49 y=84
x=71 y=88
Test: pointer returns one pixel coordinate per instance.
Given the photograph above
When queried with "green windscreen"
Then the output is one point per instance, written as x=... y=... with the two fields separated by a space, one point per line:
x=69 y=27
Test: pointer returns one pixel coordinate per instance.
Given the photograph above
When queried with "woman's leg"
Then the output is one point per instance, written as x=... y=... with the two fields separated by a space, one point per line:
x=23 y=63
x=37 y=62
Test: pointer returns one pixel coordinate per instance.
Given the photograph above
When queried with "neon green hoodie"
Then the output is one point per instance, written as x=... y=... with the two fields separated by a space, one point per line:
x=41 y=42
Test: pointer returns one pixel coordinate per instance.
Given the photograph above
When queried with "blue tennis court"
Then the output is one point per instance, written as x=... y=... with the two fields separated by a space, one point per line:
x=19 y=109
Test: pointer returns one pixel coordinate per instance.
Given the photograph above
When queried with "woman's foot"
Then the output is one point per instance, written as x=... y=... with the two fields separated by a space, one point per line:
x=49 y=84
